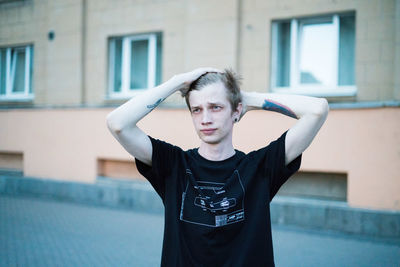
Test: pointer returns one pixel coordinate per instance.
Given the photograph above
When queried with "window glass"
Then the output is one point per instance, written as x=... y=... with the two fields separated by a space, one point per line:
x=31 y=70
x=3 y=71
x=158 y=60
x=314 y=55
x=117 y=64
x=18 y=70
x=283 y=54
x=135 y=63
x=139 y=64
x=317 y=50
x=346 y=50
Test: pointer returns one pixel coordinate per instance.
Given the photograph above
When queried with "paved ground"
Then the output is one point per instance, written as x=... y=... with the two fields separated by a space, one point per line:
x=39 y=232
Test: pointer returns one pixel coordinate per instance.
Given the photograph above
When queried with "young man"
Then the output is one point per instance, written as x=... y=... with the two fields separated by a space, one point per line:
x=217 y=198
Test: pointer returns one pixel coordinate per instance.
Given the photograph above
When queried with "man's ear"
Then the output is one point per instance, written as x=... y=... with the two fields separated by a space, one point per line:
x=238 y=112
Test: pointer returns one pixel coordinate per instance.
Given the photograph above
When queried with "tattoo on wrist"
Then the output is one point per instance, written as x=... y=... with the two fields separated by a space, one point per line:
x=277 y=107
x=155 y=104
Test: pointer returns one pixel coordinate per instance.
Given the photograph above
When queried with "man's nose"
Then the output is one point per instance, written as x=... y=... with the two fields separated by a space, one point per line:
x=206 y=119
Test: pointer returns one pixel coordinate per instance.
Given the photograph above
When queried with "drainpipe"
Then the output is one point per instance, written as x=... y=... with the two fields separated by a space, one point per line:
x=83 y=53
x=239 y=9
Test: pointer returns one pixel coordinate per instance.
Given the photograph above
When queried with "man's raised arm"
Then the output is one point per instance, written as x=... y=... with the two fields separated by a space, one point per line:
x=122 y=121
x=311 y=113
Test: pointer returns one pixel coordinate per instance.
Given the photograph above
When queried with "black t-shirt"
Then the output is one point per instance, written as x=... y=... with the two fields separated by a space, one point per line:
x=217 y=212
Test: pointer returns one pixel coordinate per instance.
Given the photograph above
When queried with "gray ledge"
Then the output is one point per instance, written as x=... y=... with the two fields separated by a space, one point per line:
x=313 y=214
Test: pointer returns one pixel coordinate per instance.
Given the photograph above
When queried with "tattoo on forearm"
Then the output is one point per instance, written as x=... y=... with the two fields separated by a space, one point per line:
x=275 y=106
x=155 y=104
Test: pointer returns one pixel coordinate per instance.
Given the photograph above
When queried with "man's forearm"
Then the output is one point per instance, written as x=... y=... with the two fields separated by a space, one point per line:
x=140 y=105
x=295 y=106
x=128 y=114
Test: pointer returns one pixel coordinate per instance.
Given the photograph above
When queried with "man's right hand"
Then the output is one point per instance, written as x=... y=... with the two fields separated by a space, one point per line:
x=184 y=80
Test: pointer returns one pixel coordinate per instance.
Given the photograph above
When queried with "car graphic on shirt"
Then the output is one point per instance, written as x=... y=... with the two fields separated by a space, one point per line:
x=224 y=204
x=212 y=204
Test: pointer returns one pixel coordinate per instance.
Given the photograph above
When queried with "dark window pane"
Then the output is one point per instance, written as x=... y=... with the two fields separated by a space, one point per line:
x=117 y=64
x=346 y=50
x=139 y=64
x=158 y=60
x=31 y=71
x=3 y=71
x=18 y=70
x=283 y=55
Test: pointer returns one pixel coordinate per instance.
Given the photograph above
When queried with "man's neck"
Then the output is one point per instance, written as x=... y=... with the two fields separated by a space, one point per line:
x=216 y=152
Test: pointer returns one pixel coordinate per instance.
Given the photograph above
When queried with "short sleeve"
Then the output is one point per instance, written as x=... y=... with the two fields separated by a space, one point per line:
x=277 y=170
x=270 y=162
x=163 y=161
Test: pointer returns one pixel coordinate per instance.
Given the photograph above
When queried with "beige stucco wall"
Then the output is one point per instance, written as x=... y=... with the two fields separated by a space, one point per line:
x=66 y=144
x=72 y=68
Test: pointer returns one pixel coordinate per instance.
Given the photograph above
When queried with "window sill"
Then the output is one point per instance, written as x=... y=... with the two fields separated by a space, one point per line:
x=124 y=96
x=16 y=98
x=318 y=91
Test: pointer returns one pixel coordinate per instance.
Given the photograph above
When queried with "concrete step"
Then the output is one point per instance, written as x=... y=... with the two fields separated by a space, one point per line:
x=137 y=195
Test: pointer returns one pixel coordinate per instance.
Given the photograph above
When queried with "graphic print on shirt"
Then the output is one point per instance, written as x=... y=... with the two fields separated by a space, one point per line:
x=213 y=204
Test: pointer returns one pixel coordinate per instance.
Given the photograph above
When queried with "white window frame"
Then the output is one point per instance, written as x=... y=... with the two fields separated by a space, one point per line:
x=10 y=72
x=295 y=87
x=126 y=91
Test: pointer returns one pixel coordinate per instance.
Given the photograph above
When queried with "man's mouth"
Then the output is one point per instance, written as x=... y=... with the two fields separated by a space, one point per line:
x=208 y=131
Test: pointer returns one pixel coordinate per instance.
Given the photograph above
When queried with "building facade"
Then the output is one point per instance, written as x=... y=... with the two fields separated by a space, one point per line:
x=64 y=65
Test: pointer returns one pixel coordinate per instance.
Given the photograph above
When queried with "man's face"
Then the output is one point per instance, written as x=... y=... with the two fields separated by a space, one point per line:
x=212 y=113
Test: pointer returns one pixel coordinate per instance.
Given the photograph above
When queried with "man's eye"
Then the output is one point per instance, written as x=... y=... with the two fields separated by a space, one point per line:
x=216 y=107
x=196 y=110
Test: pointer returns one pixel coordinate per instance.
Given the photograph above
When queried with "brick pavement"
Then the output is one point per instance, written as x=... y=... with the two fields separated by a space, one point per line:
x=40 y=232
x=43 y=232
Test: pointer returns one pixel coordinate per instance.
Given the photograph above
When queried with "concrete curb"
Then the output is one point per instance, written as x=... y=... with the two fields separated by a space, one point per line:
x=140 y=196
x=335 y=216
x=132 y=195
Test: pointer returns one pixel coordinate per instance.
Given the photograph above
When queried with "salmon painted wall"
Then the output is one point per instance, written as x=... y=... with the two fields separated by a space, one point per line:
x=65 y=144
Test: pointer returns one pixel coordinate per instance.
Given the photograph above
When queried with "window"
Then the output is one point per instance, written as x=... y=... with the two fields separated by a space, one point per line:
x=134 y=64
x=314 y=56
x=16 y=73
x=10 y=1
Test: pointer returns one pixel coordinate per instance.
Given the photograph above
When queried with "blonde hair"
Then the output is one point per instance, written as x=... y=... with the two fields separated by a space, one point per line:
x=229 y=79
